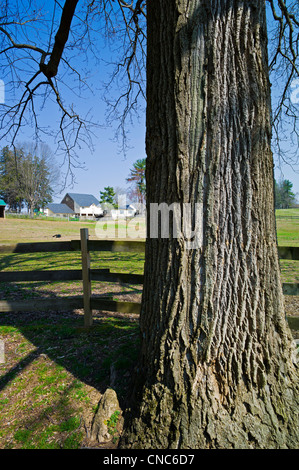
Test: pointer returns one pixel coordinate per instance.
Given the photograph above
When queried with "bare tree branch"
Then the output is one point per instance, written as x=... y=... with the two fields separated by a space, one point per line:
x=37 y=79
x=284 y=69
x=51 y=68
x=35 y=62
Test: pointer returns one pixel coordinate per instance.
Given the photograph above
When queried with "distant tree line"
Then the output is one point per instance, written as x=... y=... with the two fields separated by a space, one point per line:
x=284 y=196
x=27 y=177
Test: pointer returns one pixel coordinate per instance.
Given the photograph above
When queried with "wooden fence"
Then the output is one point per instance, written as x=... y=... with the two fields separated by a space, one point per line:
x=87 y=274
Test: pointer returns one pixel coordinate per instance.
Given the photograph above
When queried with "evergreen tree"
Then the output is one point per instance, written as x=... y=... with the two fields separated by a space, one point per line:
x=107 y=197
x=10 y=171
x=137 y=176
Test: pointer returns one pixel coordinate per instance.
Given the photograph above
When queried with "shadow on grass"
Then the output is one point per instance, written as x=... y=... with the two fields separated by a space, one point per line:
x=100 y=356
x=41 y=430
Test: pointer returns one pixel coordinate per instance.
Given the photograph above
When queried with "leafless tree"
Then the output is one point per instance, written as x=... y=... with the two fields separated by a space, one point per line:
x=38 y=57
x=284 y=73
x=37 y=51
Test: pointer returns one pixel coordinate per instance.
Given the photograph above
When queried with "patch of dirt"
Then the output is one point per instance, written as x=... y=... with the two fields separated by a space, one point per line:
x=292 y=311
x=292 y=305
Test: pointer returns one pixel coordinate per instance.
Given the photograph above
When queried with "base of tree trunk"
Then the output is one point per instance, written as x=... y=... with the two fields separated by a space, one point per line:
x=266 y=419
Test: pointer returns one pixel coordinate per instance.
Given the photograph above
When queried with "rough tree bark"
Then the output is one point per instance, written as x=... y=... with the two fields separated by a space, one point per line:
x=217 y=366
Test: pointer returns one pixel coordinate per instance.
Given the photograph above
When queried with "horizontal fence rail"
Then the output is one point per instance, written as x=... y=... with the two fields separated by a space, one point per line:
x=75 y=245
x=284 y=252
x=290 y=289
x=41 y=247
x=87 y=301
x=41 y=305
x=30 y=276
x=68 y=303
x=86 y=275
x=70 y=275
x=288 y=252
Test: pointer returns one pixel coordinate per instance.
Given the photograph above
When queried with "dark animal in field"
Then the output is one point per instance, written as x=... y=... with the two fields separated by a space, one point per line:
x=57 y=235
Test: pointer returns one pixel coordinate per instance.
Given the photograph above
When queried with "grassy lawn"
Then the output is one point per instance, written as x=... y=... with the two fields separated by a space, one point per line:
x=13 y=230
x=54 y=374
x=287 y=221
x=55 y=371
x=25 y=230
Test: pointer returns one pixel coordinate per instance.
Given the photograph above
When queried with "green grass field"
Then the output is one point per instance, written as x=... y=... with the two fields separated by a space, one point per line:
x=287 y=222
x=14 y=230
x=27 y=230
x=54 y=370
x=55 y=373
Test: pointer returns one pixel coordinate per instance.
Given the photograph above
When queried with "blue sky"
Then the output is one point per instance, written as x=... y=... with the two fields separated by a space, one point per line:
x=106 y=165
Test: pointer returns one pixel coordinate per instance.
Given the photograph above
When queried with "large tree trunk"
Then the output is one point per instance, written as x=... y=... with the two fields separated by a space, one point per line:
x=217 y=367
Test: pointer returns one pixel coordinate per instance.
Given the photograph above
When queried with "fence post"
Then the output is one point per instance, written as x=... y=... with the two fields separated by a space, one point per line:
x=86 y=277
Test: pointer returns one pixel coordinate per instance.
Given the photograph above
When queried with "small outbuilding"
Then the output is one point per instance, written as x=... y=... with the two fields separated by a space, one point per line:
x=2 y=209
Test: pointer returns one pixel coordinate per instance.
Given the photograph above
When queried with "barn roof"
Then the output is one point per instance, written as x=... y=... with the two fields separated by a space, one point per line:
x=84 y=200
x=2 y=203
x=60 y=208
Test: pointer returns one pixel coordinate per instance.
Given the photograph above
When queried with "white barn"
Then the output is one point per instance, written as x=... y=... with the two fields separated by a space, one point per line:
x=83 y=205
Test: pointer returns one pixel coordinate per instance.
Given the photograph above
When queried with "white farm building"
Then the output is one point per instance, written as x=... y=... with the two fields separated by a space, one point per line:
x=83 y=205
